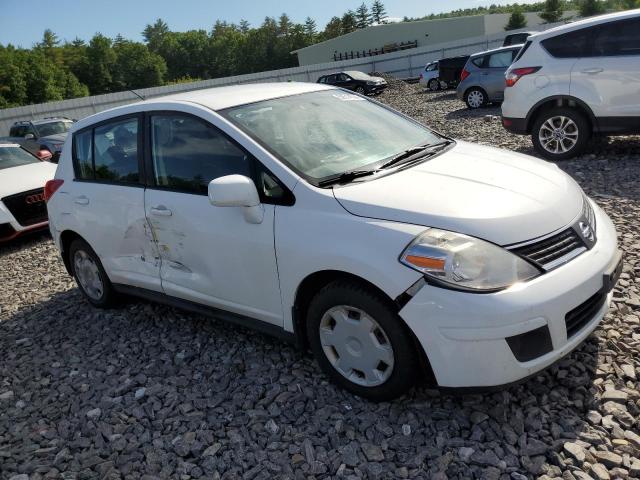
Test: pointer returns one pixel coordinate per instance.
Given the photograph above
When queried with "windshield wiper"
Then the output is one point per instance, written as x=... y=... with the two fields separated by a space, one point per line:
x=414 y=153
x=345 y=177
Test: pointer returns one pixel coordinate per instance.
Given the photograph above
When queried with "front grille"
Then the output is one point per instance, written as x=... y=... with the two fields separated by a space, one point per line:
x=28 y=208
x=548 y=251
x=583 y=313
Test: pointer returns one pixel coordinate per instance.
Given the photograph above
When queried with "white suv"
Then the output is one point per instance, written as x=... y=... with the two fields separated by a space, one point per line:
x=572 y=81
x=326 y=218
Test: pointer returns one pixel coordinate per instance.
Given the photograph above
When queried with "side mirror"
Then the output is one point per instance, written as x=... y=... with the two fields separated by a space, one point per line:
x=29 y=136
x=237 y=191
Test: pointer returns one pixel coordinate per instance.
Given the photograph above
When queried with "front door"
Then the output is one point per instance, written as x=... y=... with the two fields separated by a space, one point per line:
x=210 y=255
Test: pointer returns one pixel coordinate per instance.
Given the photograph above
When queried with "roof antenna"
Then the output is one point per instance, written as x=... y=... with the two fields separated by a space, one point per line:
x=137 y=95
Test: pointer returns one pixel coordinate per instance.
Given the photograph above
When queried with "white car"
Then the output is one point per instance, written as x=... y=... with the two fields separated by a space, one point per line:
x=322 y=216
x=570 y=82
x=429 y=77
x=22 y=180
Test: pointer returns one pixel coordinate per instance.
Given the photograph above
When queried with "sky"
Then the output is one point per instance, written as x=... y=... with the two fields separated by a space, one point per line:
x=22 y=23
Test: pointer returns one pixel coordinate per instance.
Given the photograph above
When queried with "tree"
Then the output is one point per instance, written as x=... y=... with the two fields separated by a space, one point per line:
x=244 y=26
x=136 y=66
x=378 y=12
x=154 y=34
x=97 y=71
x=348 y=22
x=588 y=8
x=516 y=20
x=553 y=10
x=310 y=28
x=332 y=29
x=363 y=19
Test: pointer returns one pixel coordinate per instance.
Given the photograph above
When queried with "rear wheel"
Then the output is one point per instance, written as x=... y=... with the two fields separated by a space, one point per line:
x=433 y=84
x=360 y=90
x=90 y=275
x=560 y=133
x=475 y=98
x=360 y=342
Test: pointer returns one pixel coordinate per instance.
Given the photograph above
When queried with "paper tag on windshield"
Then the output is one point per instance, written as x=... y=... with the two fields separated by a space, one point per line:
x=347 y=97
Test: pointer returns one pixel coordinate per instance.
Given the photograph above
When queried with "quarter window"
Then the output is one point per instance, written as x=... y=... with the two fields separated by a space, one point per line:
x=570 y=45
x=500 y=59
x=188 y=153
x=83 y=154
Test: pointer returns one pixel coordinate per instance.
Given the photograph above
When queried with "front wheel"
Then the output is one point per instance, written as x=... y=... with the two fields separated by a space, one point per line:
x=90 y=275
x=475 y=98
x=360 y=90
x=434 y=85
x=360 y=342
x=560 y=133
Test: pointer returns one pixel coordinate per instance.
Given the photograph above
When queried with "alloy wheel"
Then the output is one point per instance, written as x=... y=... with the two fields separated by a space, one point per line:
x=434 y=85
x=558 y=134
x=356 y=345
x=88 y=275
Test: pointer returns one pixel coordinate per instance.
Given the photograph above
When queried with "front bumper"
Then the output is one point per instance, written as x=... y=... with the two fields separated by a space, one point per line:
x=464 y=334
x=374 y=89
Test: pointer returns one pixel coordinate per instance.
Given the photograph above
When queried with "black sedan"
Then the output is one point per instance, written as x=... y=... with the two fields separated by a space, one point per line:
x=356 y=81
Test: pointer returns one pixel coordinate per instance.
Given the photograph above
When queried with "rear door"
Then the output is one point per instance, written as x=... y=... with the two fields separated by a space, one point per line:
x=492 y=73
x=608 y=76
x=107 y=200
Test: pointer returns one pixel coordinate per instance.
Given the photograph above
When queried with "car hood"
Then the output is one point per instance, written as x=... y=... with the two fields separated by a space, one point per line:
x=25 y=177
x=56 y=138
x=494 y=194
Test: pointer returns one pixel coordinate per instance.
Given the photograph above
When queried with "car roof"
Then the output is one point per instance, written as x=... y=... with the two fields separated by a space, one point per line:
x=585 y=22
x=52 y=119
x=216 y=98
x=496 y=50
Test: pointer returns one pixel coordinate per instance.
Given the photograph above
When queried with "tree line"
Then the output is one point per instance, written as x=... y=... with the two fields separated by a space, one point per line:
x=55 y=70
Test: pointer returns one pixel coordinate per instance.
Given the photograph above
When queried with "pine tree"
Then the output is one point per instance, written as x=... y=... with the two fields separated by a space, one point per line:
x=363 y=19
x=378 y=12
x=516 y=20
x=349 y=22
x=244 y=26
x=553 y=10
x=310 y=29
x=589 y=8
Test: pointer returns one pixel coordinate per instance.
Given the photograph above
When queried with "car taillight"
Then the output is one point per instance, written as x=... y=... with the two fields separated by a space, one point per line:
x=51 y=187
x=421 y=77
x=512 y=76
x=464 y=74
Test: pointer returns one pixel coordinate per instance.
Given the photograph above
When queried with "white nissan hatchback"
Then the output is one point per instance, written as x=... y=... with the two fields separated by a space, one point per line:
x=327 y=218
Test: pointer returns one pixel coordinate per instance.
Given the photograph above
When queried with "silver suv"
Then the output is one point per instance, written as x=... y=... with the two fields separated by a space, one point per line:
x=482 y=79
x=574 y=81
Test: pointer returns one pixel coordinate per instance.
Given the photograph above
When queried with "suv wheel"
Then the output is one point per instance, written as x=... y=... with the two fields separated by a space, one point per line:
x=90 y=275
x=475 y=98
x=360 y=342
x=560 y=133
x=433 y=84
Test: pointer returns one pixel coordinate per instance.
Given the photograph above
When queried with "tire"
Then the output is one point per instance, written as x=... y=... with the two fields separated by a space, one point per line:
x=393 y=359
x=103 y=297
x=360 y=90
x=475 y=98
x=433 y=85
x=570 y=137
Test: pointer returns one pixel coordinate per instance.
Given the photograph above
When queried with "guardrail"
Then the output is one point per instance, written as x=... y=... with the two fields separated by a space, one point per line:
x=402 y=64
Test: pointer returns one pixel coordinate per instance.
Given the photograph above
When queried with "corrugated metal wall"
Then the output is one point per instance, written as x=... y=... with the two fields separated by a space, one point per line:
x=402 y=64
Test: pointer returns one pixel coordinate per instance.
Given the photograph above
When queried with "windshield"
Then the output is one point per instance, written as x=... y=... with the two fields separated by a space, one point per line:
x=326 y=133
x=14 y=157
x=358 y=75
x=52 y=128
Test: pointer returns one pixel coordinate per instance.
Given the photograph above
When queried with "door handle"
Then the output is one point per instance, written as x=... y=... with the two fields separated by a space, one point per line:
x=161 y=211
x=592 y=71
x=81 y=200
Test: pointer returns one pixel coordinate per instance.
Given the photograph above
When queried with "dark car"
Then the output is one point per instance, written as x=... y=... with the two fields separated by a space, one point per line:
x=516 y=38
x=45 y=134
x=451 y=68
x=354 y=80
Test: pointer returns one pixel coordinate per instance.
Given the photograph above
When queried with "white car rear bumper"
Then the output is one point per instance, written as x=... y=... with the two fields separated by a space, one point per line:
x=464 y=334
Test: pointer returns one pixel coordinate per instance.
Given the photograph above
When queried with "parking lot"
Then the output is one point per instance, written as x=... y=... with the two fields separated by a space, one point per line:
x=149 y=390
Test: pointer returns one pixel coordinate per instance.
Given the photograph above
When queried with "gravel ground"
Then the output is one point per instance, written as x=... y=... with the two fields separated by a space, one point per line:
x=149 y=391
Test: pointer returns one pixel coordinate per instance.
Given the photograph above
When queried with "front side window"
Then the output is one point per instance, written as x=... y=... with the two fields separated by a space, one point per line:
x=15 y=157
x=188 y=153
x=618 y=39
x=108 y=152
x=321 y=134
x=500 y=59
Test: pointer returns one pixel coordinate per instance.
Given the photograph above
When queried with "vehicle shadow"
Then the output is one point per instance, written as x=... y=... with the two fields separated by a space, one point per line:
x=24 y=241
x=146 y=389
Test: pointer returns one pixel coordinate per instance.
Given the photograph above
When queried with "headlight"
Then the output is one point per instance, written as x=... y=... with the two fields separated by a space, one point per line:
x=370 y=82
x=466 y=262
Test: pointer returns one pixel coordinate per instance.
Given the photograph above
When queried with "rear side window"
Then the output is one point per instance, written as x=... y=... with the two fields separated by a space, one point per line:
x=109 y=152
x=570 y=45
x=618 y=39
x=188 y=153
x=478 y=62
x=500 y=59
